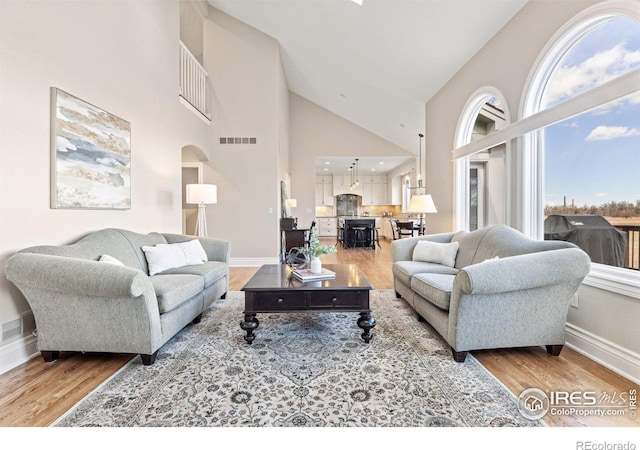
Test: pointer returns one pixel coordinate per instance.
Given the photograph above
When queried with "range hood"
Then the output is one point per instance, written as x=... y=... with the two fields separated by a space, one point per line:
x=348 y=204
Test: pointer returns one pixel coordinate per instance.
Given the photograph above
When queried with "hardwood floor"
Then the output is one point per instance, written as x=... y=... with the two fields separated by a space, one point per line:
x=36 y=393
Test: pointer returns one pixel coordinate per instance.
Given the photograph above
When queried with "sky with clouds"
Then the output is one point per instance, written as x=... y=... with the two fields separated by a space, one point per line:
x=595 y=158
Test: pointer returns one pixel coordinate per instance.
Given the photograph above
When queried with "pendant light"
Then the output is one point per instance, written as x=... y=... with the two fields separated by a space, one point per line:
x=420 y=135
x=419 y=174
x=351 y=174
x=357 y=182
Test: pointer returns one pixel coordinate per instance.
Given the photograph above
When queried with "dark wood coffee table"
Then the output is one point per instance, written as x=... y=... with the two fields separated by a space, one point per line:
x=273 y=289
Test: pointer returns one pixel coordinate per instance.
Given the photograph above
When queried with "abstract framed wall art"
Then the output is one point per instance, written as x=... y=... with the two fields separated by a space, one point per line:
x=90 y=156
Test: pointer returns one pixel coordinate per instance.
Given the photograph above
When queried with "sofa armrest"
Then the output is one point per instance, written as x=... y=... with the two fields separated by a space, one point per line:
x=76 y=276
x=216 y=249
x=402 y=249
x=84 y=305
x=523 y=271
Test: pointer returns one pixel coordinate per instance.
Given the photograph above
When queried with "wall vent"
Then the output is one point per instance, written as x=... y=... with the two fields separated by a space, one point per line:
x=18 y=327
x=238 y=140
x=11 y=330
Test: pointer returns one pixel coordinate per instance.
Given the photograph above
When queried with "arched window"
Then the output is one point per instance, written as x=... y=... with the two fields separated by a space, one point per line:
x=587 y=161
x=481 y=178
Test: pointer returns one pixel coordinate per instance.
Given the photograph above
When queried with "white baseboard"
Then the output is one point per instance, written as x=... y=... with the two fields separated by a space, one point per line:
x=252 y=262
x=17 y=352
x=621 y=360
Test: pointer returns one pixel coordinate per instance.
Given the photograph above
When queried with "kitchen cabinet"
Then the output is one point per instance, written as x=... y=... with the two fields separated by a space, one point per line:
x=385 y=230
x=327 y=226
x=374 y=190
x=342 y=185
x=324 y=190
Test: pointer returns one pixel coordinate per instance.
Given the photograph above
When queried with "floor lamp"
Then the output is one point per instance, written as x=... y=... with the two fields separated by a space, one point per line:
x=202 y=195
x=422 y=204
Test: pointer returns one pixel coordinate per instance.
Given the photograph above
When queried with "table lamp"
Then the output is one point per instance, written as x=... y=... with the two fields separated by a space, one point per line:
x=291 y=203
x=422 y=204
x=202 y=195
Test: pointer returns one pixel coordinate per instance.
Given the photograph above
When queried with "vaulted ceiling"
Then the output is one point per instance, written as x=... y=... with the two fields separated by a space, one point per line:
x=375 y=65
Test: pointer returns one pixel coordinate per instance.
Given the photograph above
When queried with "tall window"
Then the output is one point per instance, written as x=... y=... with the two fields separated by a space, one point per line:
x=584 y=83
x=481 y=178
x=406 y=193
x=591 y=161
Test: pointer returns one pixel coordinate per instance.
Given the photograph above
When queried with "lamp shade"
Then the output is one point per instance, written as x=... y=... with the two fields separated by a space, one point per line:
x=291 y=202
x=422 y=204
x=202 y=193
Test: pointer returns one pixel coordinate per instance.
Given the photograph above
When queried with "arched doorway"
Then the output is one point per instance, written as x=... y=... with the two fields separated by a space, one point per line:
x=193 y=160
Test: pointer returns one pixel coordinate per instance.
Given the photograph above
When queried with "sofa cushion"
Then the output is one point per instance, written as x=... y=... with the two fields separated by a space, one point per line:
x=469 y=243
x=404 y=270
x=163 y=257
x=434 y=287
x=173 y=290
x=436 y=252
x=211 y=271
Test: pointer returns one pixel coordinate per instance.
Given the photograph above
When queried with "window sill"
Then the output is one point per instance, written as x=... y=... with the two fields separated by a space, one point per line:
x=614 y=279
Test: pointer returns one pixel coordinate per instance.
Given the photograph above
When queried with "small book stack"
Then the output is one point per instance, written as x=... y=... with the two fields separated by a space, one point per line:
x=307 y=275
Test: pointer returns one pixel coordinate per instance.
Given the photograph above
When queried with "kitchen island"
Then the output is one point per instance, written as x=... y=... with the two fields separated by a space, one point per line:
x=359 y=233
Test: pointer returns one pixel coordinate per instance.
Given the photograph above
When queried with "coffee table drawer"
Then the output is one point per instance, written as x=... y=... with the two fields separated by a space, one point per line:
x=334 y=299
x=279 y=301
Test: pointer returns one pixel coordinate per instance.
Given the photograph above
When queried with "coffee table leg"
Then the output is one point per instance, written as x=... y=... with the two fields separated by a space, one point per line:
x=249 y=324
x=366 y=322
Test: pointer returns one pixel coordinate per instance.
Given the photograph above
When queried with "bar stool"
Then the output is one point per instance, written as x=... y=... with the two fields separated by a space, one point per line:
x=360 y=235
x=340 y=236
x=376 y=238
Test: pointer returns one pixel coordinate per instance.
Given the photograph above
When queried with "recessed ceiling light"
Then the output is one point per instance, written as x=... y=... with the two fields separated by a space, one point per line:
x=381 y=163
x=358 y=2
x=326 y=169
x=328 y=162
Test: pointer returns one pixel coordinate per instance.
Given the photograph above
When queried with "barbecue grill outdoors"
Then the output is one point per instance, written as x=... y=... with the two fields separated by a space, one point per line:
x=603 y=242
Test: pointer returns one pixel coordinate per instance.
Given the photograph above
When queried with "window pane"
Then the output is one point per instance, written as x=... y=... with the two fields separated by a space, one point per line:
x=592 y=164
x=592 y=161
x=608 y=51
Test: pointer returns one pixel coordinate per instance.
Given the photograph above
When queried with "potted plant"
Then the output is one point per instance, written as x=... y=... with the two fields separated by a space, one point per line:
x=315 y=250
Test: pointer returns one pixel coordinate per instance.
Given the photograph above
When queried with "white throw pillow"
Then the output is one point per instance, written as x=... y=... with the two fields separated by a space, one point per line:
x=163 y=257
x=111 y=260
x=435 y=252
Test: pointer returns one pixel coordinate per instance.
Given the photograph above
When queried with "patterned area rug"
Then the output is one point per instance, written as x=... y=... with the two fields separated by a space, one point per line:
x=302 y=370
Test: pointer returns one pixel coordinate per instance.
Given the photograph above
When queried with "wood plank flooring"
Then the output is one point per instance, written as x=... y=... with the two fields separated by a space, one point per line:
x=36 y=393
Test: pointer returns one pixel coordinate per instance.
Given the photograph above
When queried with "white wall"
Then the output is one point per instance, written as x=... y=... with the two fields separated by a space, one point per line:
x=119 y=56
x=504 y=63
x=314 y=131
x=249 y=90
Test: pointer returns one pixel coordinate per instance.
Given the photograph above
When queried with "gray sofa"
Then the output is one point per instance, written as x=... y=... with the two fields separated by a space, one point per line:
x=500 y=290
x=82 y=304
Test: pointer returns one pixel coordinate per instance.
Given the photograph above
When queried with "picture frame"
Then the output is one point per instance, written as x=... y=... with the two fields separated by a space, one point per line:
x=90 y=155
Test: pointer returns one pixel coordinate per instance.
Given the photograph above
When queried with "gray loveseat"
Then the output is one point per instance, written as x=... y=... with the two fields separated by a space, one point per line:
x=497 y=289
x=82 y=304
